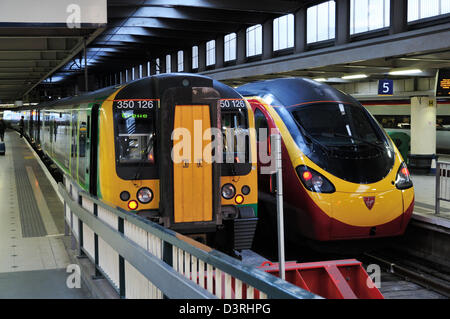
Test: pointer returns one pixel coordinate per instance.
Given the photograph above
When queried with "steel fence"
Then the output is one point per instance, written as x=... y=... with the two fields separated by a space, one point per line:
x=442 y=184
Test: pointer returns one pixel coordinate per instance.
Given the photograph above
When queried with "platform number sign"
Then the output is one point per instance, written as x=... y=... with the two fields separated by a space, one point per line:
x=386 y=87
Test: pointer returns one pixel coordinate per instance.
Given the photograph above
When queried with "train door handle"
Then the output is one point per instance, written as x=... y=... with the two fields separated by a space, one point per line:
x=185 y=163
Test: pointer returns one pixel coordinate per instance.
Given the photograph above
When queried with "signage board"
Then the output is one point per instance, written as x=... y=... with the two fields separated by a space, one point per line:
x=443 y=83
x=386 y=87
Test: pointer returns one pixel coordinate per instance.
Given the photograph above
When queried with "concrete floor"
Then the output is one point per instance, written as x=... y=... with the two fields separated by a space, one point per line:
x=32 y=263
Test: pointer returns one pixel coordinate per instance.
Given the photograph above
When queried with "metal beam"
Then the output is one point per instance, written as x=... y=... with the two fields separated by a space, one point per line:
x=172 y=24
x=160 y=33
x=279 y=6
x=196 y=14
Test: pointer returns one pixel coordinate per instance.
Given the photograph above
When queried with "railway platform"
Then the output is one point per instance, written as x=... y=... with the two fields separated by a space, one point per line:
x=33 y=257
x=35 y=253
x=424 y=208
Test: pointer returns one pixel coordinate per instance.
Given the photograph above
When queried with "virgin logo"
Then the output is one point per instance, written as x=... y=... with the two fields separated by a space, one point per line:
x=369 y=201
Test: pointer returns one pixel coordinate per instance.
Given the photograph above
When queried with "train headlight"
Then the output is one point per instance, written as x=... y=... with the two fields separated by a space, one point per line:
x=144 y=195
x=314 y=181
x=403 y=180
x=228 y=191
x=239 y=199
x=133 y=205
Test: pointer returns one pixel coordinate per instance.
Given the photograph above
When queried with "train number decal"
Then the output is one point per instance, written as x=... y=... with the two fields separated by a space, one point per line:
x=232 y=103
x=135 y=104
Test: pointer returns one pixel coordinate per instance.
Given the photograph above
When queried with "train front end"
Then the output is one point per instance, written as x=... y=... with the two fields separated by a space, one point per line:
x=343 y=176
x=160 y=158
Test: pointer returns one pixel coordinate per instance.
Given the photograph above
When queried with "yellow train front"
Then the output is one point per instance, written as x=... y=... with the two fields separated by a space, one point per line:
x=157 y=157
x=154 y=147
x=343 y=178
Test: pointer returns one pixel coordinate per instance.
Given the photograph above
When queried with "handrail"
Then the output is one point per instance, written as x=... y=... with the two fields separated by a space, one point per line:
x=160 y=272
x=153 y=268
x=442 y=188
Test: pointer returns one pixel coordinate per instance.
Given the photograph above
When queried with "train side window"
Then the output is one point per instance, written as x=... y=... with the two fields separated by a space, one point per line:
x=260 y=123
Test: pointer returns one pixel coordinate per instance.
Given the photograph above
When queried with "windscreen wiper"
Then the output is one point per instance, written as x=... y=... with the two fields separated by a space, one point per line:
x=311 y=138
x=354 y=138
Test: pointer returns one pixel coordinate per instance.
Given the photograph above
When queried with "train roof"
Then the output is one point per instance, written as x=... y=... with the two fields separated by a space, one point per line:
x=153 y=86
x=145 y=88
x=295 y=91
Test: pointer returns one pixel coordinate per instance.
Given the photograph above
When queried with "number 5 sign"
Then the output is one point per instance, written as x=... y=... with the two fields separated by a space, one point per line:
x=386 y=87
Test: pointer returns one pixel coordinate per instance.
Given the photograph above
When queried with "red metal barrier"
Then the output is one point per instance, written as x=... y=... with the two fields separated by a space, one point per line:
x=338 y=279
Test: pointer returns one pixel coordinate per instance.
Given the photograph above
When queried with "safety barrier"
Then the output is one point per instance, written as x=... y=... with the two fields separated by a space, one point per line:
x=142 y=259
x=442 y=184
x=334 y=279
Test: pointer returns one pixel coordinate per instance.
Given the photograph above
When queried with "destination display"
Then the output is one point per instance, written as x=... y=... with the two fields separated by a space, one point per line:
x=443 y=83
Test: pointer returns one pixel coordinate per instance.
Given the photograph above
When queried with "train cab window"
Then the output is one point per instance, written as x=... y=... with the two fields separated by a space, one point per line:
x=336 y=124
x=136 y=137
x=235 y=136
x=260 y=124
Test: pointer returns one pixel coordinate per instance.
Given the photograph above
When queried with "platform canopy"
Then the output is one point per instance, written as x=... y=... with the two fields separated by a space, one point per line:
x=39 y=37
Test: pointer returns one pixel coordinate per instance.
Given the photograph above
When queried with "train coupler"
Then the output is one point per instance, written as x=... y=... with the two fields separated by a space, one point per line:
x=244 y=227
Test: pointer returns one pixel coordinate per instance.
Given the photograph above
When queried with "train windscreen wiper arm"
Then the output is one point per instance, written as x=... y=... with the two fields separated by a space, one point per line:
x=313 y=139
x=354 y=138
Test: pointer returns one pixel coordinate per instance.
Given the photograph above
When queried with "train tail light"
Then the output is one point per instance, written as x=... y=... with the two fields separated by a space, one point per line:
x=314 y=181
x=403 y=180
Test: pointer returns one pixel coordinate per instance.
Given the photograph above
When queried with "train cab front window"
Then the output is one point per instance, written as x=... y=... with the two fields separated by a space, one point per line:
x=236 y=142
x=336 y=124
x=135 y=143
x=135 y=137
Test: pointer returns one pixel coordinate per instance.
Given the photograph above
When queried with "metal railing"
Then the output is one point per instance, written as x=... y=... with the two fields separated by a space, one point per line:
x=442 y=184
x=142 y=259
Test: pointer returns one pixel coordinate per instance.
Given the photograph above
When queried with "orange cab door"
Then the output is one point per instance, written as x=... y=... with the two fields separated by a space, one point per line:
x=192 y=173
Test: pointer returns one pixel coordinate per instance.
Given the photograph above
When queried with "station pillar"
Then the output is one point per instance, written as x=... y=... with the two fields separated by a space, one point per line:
x=423 y=135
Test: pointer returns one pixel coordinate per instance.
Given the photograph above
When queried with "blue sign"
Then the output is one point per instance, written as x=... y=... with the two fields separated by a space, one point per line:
x=386 y=87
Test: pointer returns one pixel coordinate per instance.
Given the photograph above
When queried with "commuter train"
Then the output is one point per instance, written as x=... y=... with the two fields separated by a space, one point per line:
x=395 y=116
x=117 y=143
x=343 y=178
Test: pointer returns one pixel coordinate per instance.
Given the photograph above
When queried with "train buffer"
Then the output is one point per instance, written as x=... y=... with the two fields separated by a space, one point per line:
x=337 y=279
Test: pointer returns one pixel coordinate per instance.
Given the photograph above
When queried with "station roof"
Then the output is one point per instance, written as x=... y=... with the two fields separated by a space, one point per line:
x=28 y=55
x=141 y=29
x=138 y=31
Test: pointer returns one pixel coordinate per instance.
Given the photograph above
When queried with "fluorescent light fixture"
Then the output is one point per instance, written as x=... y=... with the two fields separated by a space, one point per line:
x=354 y=77
x=320 y=80
x=405 y=72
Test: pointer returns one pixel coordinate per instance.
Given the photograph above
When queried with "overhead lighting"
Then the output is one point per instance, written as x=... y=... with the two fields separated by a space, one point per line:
x=354 y=77
x=405 y=72
x=320 y=80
